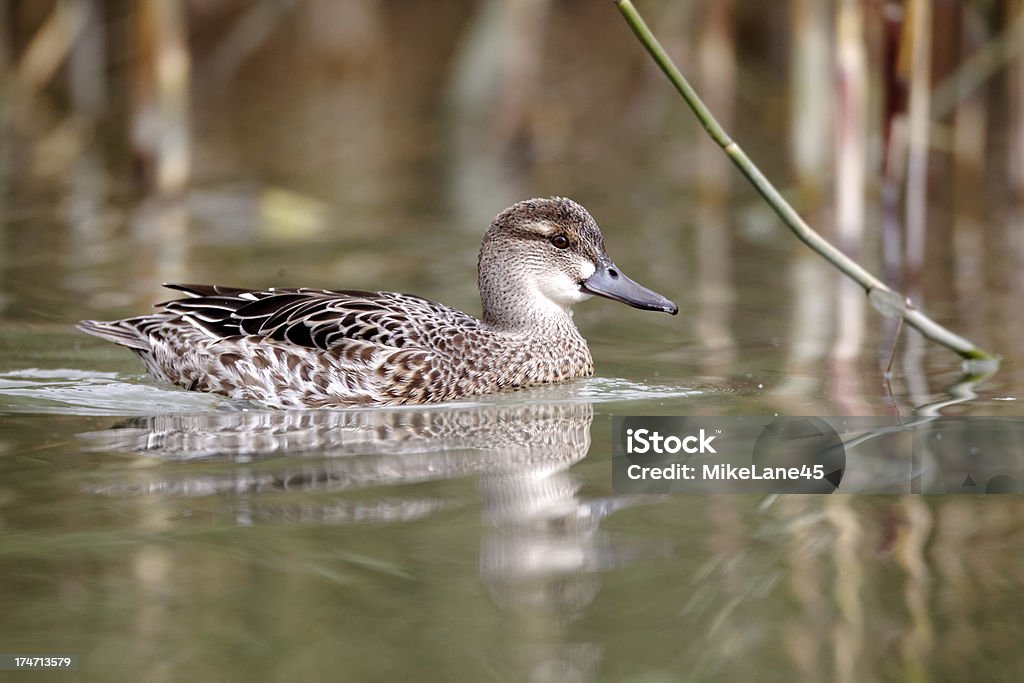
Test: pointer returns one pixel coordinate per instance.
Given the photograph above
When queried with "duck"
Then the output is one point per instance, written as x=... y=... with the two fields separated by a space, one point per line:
x=319 y=348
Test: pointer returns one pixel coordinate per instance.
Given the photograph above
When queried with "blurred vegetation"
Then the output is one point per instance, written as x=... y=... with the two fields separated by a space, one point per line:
x=135 y=71
x=884 y=298
x=896 y=127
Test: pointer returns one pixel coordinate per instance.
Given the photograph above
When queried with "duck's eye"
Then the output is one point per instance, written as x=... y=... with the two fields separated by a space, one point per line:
x=560 y=241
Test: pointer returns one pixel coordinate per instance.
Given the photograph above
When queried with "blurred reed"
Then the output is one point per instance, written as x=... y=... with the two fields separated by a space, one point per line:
x=494 y=89
x=811 y=152
x=160 y=97
x=917 y=641
x=1012 y=235
x=48 y=47
x=894 y=110
x=915 y=64
x=810 y=78
x=87 y=84
x=849 y=567
x=851 y=140
x=885 y=299
x=1014 y=85
x=976 y=68
x=716 y=65
x=247 y=33
x=970 y=140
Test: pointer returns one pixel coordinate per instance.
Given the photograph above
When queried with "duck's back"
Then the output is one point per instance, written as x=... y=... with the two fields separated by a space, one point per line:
x=313 y=348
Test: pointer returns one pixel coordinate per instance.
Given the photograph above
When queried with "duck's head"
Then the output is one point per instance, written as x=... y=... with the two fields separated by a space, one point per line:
x=540 y=256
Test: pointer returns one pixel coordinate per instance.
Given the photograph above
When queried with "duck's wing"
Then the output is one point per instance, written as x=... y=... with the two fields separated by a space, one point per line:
x=315 y=318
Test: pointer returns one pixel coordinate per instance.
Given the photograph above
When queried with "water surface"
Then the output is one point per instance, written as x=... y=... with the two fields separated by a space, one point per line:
x=166 y=535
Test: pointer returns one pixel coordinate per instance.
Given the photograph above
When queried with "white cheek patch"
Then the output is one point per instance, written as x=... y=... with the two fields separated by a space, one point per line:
x=562 y=289
x=559 y=289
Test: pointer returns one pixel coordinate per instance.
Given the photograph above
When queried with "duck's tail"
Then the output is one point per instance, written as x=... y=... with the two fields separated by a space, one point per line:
x=123 y=332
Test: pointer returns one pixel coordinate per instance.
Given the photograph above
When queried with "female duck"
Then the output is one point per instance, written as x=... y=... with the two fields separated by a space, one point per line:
x=318 y=348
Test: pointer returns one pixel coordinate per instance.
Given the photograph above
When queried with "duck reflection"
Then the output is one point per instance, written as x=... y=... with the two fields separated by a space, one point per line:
x=338 y=450
x=541 y=548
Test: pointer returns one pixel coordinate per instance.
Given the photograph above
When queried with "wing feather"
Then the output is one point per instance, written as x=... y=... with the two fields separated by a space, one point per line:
x=314 y=318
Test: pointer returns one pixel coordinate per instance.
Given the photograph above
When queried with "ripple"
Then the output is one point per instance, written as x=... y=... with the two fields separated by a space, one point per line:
x=68 y=391
x=77 y=392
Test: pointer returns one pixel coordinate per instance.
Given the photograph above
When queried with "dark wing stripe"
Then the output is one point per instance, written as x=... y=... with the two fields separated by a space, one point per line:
x=311 y=318
x=208 y=290
x=293 y=315
x=298 y=334
x=331 y=339
x=357 y=305
x=264 y=308
x=220 y=302
x=216 y=328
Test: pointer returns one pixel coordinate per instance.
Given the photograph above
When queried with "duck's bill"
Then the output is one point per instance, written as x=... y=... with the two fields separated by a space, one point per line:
x=609 y=282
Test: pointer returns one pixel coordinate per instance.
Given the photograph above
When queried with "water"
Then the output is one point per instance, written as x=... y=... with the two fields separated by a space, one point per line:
x=166 y=535
x=172 y=534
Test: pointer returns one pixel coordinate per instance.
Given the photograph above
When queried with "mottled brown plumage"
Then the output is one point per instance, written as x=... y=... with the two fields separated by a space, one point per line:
x=323 y=348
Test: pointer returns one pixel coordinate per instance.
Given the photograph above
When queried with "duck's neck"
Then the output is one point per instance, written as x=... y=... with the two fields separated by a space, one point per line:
x=534 y=322
x=516 y=307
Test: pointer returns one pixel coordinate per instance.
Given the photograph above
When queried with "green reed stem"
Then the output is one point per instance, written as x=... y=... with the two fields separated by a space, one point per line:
x=881 y=296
